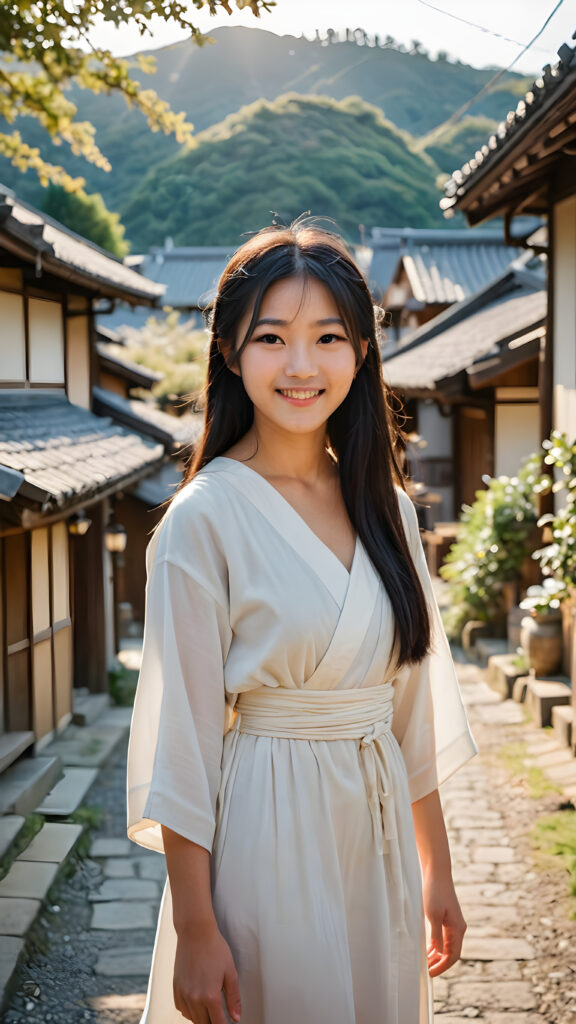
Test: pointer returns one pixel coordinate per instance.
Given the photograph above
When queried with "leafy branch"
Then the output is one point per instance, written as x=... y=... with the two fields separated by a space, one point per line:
x=45 y=47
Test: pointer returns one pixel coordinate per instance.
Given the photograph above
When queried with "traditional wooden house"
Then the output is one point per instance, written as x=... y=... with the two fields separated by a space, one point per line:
x=61 y=465
x=469 y=381
x=529 y=167
x=139 y=508
x=417 y=273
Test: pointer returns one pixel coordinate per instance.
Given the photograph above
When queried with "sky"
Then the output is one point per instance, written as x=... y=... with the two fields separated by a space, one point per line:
x=519 y=20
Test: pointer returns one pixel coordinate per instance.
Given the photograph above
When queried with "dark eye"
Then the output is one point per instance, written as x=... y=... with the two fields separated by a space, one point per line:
x=327 y=339
x=268 y=339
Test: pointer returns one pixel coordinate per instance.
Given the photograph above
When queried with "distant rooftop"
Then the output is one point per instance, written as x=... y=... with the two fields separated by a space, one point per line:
x=442 y=266
x=174 y=432
x=190 y=274
x=472 y=330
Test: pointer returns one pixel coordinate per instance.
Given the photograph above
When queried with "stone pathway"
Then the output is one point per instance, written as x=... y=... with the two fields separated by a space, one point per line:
x=92 y=946
x=518 y=964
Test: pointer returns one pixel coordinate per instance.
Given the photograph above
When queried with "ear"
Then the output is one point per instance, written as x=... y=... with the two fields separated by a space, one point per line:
x=226 y=352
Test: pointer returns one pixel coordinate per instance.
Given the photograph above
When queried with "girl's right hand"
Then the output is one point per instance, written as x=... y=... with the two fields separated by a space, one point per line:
x=203 y=969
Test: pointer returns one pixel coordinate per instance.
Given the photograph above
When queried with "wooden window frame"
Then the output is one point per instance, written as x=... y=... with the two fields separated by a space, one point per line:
x=26 y=294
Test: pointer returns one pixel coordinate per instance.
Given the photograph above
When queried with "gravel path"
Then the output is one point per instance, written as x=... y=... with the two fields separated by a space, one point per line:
x=92 y=946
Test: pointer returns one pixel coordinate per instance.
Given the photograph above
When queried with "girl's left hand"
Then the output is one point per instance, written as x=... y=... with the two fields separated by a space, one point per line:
x=447 y=924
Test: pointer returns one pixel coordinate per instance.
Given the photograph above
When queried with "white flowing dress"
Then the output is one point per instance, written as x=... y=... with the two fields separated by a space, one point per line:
x=315 y=872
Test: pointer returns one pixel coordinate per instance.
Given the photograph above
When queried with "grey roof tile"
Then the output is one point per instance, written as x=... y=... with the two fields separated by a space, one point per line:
x=443 y=265
x=458 y=347
x=147 y=418
x=190 y=274
x=545 y=88
x=61 y=251
x=67 y=450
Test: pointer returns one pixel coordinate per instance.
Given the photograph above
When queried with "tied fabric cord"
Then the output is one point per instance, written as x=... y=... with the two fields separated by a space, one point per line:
x=378 y=786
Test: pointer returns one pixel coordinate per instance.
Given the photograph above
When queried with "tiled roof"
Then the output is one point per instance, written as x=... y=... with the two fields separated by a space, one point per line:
x=64 y=453
x=159 y=486
x=54 y=248
x=550 y=87
x=190 y=274
x=471 y=333
x=115 y=362
x=174 y=432
x=449 y=273
x=442 y=266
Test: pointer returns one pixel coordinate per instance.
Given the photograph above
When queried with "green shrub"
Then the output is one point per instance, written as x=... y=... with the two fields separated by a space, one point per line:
x=492 y=542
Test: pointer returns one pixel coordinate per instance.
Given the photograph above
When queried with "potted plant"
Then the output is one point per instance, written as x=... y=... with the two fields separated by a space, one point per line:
x=557 y=559
x=541 y=629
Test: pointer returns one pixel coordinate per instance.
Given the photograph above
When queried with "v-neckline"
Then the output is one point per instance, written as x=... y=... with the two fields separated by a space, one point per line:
x=291 y=510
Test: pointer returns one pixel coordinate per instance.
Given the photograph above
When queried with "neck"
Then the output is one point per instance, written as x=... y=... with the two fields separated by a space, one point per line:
x=280 y=454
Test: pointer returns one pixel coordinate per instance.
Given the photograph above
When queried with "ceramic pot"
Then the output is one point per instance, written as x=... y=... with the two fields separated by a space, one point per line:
x=541 y=639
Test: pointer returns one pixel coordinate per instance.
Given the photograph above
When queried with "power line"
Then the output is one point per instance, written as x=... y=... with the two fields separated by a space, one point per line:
x=473 y=24
x=496 y=78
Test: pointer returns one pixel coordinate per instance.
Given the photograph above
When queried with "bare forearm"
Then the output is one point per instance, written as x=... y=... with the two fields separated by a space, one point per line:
x=188 y=867
x=431 y=837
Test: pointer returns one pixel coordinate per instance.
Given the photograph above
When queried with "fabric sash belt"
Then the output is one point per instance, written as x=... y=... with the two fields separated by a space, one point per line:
x=362 y=714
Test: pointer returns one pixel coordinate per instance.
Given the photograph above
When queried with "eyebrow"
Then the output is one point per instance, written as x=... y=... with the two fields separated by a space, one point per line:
x=284 y=323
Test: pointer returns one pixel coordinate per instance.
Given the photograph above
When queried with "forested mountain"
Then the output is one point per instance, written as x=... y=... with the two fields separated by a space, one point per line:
x=339 y=159
x=245 y=66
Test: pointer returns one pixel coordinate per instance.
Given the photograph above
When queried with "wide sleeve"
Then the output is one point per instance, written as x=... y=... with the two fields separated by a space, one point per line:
x=178 y=721
x=430 y=720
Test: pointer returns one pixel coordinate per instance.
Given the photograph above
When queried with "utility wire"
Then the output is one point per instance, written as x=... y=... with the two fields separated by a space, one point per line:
x=473 y=24
x=496 y=78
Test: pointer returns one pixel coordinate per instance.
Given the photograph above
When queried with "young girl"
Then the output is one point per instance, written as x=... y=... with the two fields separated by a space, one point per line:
x=297 y=704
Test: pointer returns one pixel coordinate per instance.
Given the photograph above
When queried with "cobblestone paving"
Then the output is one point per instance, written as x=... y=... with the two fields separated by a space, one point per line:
x=92 y=947
x=518 y=964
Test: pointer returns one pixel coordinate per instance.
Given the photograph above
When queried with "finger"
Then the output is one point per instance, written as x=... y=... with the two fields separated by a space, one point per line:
x=216 y=1011
x=437 y=937
x=452 y=947
x=232 y=995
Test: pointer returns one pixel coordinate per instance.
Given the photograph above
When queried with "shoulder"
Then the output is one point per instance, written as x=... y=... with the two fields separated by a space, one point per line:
x=406 y=506
x=409 y=518
x=191 y=531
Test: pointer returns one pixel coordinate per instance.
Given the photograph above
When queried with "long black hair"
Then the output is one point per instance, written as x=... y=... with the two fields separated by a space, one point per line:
x=362 y=432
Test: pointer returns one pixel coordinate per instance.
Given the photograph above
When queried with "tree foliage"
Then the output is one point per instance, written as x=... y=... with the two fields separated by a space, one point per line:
x=88 y=216
x=337 y=159
x=45 y=46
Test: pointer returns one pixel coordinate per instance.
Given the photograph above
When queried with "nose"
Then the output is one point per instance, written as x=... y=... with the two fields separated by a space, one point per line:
x=300 y=362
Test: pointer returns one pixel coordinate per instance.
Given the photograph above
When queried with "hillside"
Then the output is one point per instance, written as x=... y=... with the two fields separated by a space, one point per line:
x=245 y=65
x=337 y=159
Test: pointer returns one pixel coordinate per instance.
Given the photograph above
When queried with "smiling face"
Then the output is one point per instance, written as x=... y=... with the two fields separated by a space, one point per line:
x=299 y=362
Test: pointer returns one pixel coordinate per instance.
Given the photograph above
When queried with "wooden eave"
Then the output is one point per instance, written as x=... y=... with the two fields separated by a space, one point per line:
x=518 y=175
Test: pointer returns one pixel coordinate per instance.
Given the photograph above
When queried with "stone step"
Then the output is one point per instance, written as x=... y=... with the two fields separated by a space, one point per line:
x=53 y=843
x=10 y=950
x=503 y=673
x=488 y=646
x=519 y=689
x=125 y=961
x=562 y=723
x=12 y=744
x=24 y=784
x=87 y=746
x=67 y=794
x=25 y=888
x=88 y=707
x=10 y=828
x=28 y=880
x=543 y=694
